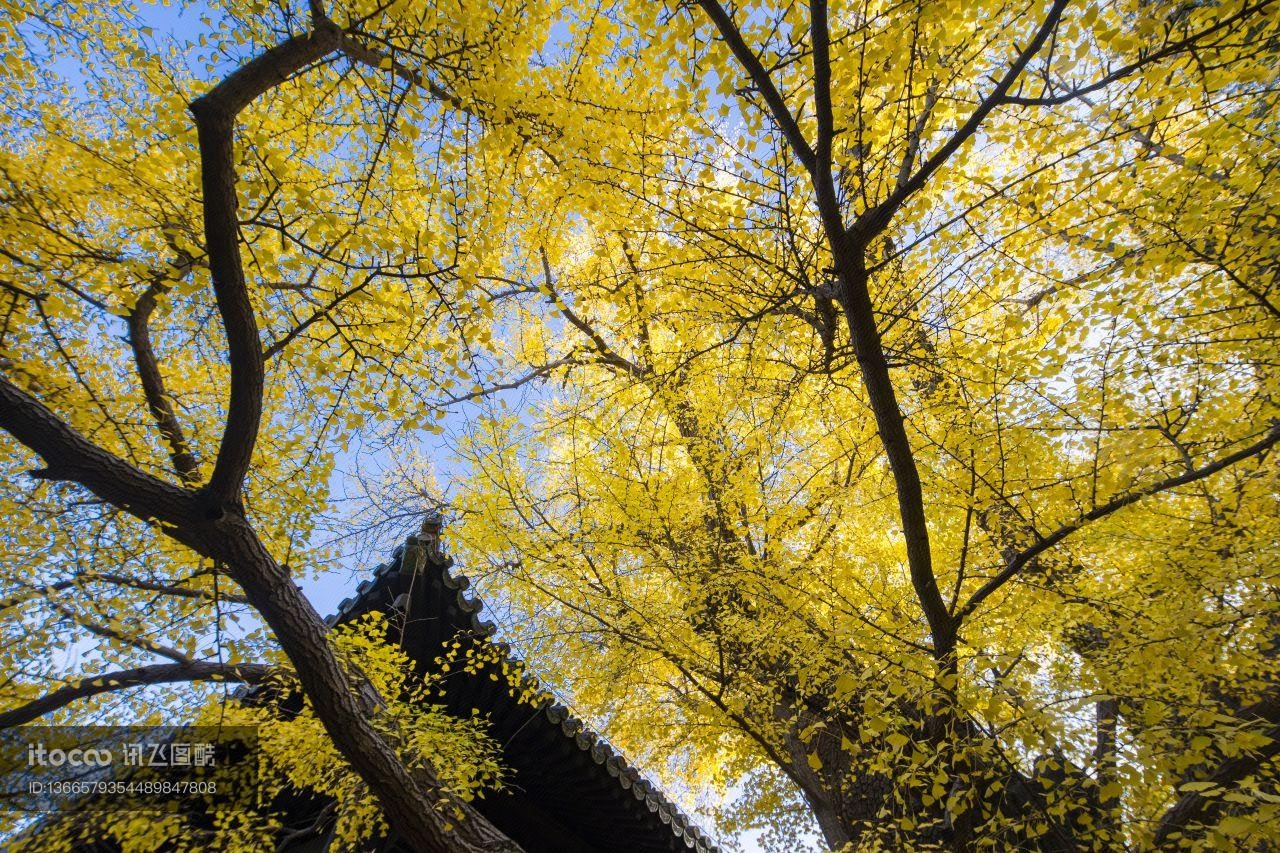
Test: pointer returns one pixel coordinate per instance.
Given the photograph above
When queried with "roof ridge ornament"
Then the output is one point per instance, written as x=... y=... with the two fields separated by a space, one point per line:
x=430 y=535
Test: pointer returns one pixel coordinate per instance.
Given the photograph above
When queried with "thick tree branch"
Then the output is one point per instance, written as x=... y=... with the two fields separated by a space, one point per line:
x=1019 y=562
x=215 y=114
x=144 y=357
x=123 y=679
x=70 y=456
x=820 y=37
x=760 y=79
x=212 y=522
x=344 y=707
x=1106 y=760
x=848 y=252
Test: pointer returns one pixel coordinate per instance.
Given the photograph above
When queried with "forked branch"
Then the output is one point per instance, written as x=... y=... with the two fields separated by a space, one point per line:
x=1025 y=557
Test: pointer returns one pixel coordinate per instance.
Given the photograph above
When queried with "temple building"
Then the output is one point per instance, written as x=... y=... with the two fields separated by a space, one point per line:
x=568 y=791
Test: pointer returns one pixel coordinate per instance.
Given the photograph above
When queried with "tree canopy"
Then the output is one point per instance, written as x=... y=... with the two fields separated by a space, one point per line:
x=864 y=410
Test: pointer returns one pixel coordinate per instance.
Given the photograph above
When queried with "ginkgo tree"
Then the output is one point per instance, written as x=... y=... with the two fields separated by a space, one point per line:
x=223 y=256
x=902 y=448
x=915 y=442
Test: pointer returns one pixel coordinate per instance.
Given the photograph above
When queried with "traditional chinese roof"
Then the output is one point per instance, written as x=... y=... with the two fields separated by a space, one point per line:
x=568 y=790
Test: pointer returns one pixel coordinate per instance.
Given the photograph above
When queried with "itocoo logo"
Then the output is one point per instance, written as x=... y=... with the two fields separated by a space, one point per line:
x=39 y=756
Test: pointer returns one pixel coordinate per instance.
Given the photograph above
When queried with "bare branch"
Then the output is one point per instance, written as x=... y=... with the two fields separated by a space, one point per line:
x=276 y=347
x=1019 y=562
x=607 y=354
x=120 y=580
x=914 y=138
x=110 y=632
x=123 y=679
x=540 y=372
